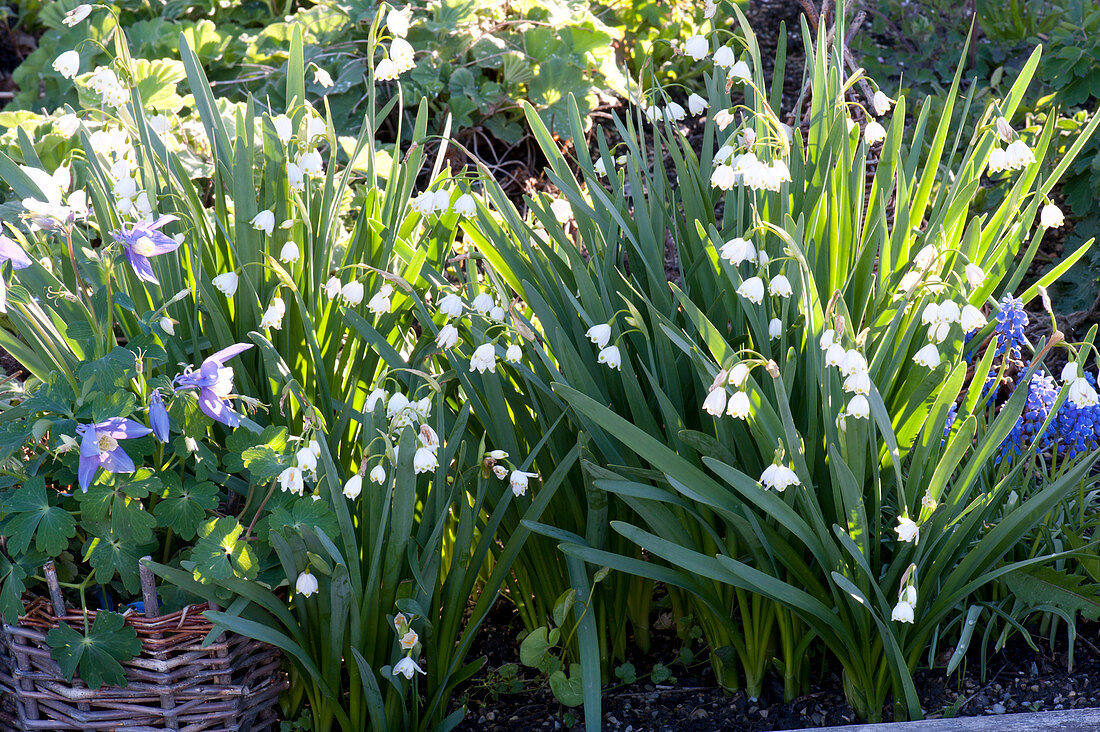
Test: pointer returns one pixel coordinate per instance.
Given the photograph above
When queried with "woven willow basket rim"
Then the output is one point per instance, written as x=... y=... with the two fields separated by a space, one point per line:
x=188 y=621
x=189 y=675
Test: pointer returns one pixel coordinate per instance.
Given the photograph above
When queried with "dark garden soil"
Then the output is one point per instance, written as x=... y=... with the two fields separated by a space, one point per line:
x=10 y=367
x=1018 y=679
x=14 y=46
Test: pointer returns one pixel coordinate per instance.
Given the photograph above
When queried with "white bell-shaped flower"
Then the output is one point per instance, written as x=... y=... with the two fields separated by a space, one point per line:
x=484 y=359
x=306 y=584
x=599 y=334
x=908 y=530
x=697 y=47
x=929 y=357
x=1051 y=216
x=264 y=221
x=739 y=405
x=859 y=407
x=353 y=487
x=752 y=290
x=715 y=403
x=451 y=305
x=611 y=357
x=226 y=283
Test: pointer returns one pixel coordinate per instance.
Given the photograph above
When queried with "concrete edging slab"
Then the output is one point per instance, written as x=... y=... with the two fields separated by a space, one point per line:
x=1065 y=720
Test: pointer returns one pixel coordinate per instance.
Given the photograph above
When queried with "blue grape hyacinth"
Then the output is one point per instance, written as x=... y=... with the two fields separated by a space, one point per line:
x=1011 y=320
x=1077 y=428
x=1073 y=430
x=952 y=414
x=1042 y=391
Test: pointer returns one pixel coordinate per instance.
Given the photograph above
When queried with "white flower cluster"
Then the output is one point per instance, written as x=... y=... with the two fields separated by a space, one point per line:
x=484 y=357
x=874 y=132
x=1081 y=394
x=401 y=57
x=401 y=412
x=674 y=111
x=59 y=206
x=518 y=480
x=307 y=161
x=410 y=645
x=1018 y=155
x=439 y=202
x=293 y=477
x=610 y=356
x=130 y=197
x=747 y=168
x=719 y=401
x=351 y=292
x=853 y=367
x=698 y=48
x=738 y=251
x=1015 y=156
x=750 y=171
x=105 y=83
x=941 y=317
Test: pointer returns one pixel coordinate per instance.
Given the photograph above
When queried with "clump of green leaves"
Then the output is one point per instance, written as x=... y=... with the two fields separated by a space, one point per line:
x=172 y=506
x=543 y=649
x=97 y=652
x=475 y=61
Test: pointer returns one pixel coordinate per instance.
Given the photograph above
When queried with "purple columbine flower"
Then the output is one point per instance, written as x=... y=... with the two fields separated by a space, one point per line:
x=143 y=240
x=158 y=416
x=10 y=251
x=99 y=447
x=214 y=380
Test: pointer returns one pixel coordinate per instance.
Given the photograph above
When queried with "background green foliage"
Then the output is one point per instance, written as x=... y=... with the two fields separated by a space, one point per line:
x=893 y=49
x=475 y=61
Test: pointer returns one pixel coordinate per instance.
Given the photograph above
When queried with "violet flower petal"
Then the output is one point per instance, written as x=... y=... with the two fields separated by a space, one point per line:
x=141 y=266
x=86 y=471
x=121 y=428
x=216 y=409
x=162 y=243
x=116 y=461
x=227 y=353
x=165 y=219
x=89 y=444
x=12 y=252
x=158 y=416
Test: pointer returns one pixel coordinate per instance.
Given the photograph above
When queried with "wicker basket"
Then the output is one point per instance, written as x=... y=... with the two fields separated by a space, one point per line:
x=232 y=685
